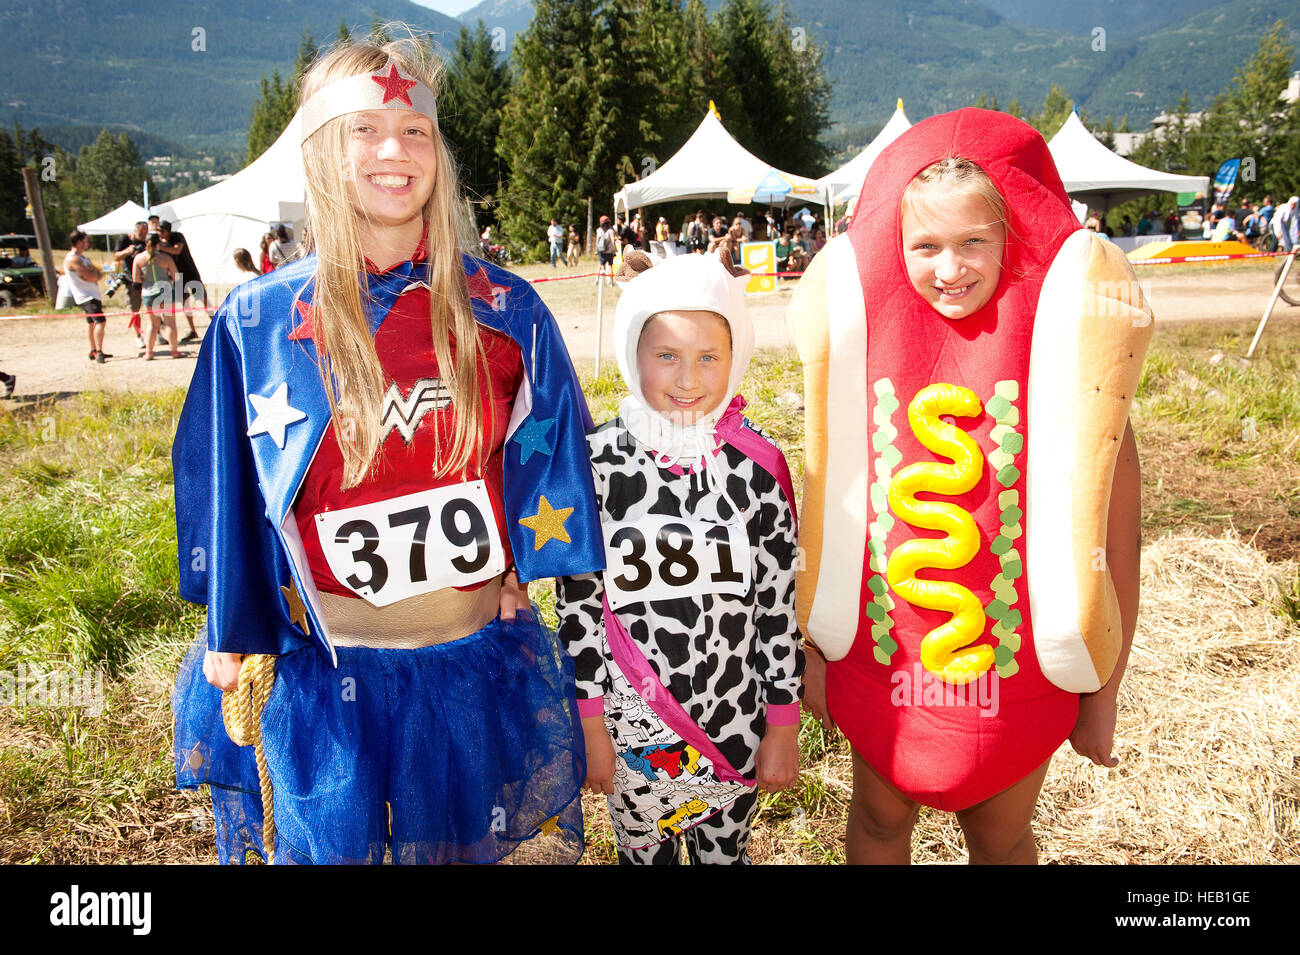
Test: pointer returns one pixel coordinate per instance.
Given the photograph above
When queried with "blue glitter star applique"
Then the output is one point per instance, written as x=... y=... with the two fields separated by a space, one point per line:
x=532 y=437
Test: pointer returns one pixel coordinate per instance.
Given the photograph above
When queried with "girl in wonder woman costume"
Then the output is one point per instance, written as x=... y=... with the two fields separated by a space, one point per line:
x=971 y=508
x=381 y=440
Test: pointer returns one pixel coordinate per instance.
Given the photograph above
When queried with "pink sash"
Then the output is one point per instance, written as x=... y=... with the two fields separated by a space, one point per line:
x=642 y=676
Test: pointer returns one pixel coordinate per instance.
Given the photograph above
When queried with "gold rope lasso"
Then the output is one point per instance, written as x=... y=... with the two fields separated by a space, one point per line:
x=241 y=711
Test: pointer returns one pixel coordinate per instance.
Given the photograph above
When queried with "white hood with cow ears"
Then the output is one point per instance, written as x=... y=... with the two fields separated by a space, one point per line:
x=681 y=283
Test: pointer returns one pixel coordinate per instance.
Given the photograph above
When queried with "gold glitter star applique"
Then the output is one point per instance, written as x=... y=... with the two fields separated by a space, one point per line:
x=548 y=523
x=550 y=827
x=297 y=611
x=194 y=758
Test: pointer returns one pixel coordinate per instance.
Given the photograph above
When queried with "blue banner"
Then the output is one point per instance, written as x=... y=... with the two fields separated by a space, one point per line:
x=1225 y=179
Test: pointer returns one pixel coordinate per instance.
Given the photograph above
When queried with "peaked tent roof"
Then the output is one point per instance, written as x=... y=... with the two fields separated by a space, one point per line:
x=708 y=166
x=118 y=222
x=236 y=212
x=845 y=183
x=1093 y=173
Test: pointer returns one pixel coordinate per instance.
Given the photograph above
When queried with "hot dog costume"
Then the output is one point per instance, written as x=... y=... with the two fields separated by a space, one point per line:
x=688 y=642
x=958 y=475
x=486 y=722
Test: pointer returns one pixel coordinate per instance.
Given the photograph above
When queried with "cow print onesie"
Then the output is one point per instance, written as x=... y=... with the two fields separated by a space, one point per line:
x=724 y=658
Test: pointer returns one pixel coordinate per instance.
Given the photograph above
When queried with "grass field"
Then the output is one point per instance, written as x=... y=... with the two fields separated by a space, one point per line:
x=1210 y=713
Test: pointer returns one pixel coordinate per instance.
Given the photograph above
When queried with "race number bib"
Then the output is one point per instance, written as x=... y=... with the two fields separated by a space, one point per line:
x=414 y=544
x=658 y=558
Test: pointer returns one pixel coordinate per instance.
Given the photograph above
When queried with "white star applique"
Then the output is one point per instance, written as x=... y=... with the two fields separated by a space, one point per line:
x=274 y=414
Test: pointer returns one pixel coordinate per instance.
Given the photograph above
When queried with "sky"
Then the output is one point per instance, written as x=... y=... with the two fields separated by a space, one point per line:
x=450 y=7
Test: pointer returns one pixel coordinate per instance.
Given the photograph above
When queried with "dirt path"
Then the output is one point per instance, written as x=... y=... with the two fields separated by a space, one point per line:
x=49 y=355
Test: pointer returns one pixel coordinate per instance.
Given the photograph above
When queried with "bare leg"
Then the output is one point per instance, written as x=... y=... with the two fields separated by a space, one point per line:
x=880 y=820
x=999 y=830
x=154 y=324
x=98 y=340
x=172 y=339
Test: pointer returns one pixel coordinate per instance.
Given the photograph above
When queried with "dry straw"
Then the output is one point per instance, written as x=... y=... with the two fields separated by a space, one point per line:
x=1208 y=736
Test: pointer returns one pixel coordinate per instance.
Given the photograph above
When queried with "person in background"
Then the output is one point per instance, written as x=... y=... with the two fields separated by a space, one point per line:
x=662 y=230
x=696 y=234
x=244 y=262
x=265 y=262
x=574 y=251
x=784 y=242
x=555 y=238
x=606 y=246
x=189 y=284
x=283 y=249
x=83 y=277
x=156 y=273
x=22 y=258
x=128 y=247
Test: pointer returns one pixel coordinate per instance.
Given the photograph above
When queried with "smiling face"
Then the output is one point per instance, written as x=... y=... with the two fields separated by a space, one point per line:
x=684 y=363
x=952 y=246
x=391 y=162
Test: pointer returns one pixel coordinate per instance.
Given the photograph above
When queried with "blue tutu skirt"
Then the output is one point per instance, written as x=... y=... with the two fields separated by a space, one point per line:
x=458 y=752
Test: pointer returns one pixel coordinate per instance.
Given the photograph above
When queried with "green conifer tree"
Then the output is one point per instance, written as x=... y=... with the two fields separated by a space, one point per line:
x=557 y=128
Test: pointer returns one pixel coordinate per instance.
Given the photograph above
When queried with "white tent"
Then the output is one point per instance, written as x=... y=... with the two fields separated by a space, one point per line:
x=845 y=183
x=1094 y=174
x=236 y=212
x=709 y=165
x=118 y=222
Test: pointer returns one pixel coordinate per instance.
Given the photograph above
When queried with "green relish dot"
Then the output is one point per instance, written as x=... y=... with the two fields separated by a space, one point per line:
x=999 y=546
x=1013 y=443
x=877 y=585
x=1003 y=655
x=997 y=407
x=1011 y=669
x=1008 y=475
x=1011 y=515
x=996 y=609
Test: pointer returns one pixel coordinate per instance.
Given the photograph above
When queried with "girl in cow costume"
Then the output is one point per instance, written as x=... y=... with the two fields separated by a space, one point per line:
x=971 y=508
x=687 y=653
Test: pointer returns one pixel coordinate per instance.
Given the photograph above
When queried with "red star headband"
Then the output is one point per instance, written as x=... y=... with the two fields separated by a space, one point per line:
x=355 y=94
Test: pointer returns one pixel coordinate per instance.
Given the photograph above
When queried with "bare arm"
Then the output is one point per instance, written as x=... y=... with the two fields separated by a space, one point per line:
x=76 y=265
x=1094 y=733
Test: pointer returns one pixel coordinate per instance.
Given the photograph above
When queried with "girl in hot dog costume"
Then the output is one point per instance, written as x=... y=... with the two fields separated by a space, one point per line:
x=970 y=515
x=687 y=653
x=378 y=438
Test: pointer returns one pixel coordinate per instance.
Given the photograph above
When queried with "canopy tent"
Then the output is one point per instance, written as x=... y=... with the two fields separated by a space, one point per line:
x=709 y=166
x=236 y=212
x=846 y=182
x=118 y=222
x=1094 y=174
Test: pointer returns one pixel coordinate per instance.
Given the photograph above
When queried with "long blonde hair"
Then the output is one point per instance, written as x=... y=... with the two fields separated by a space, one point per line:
x=349 y=364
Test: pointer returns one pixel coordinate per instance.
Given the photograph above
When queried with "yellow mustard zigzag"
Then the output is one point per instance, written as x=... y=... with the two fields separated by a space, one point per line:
x=944 y=650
